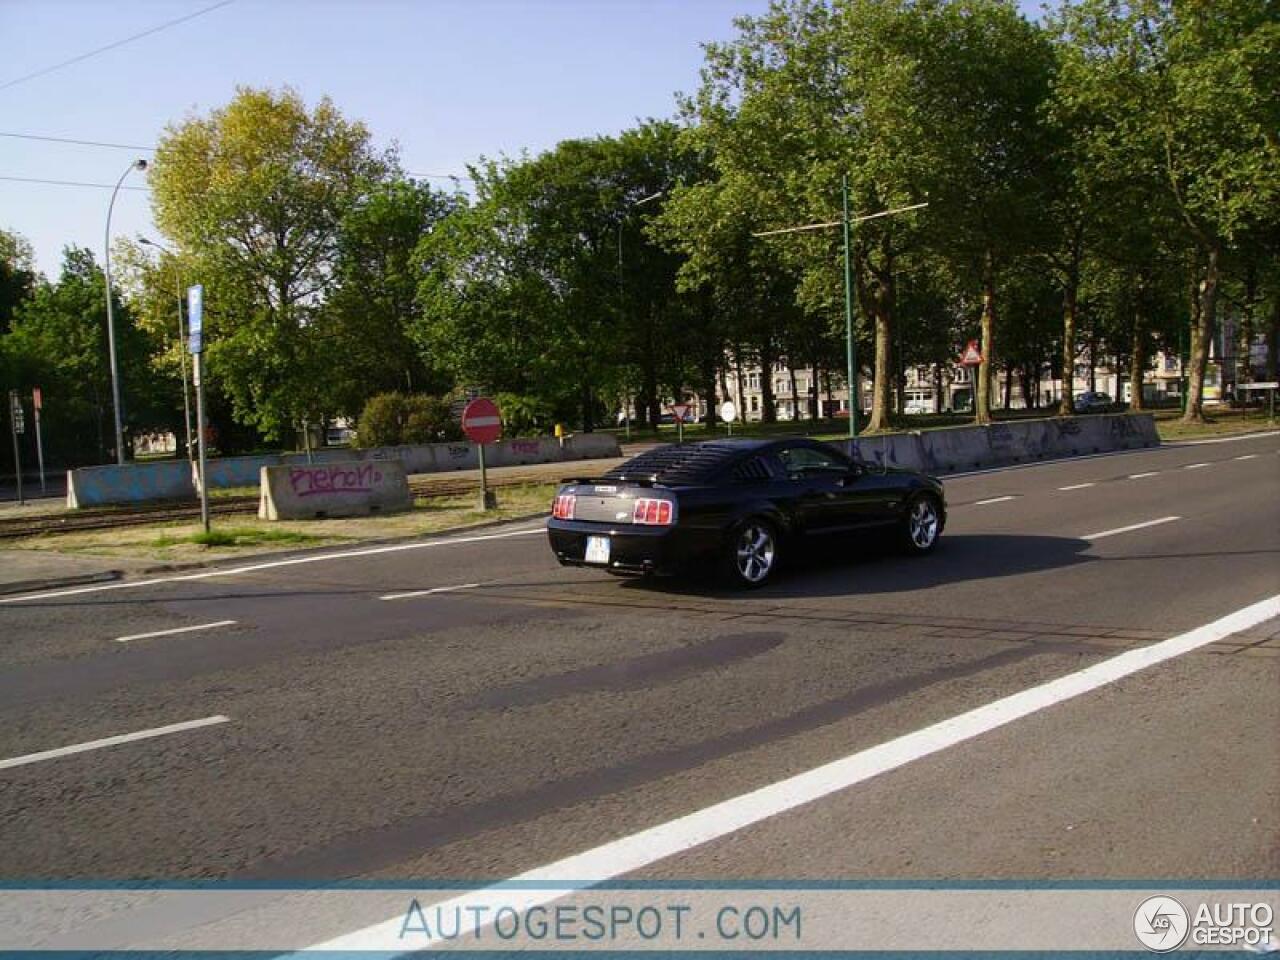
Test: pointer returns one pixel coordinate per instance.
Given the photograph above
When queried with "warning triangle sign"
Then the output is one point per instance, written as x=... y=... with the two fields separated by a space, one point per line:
x=972 y=356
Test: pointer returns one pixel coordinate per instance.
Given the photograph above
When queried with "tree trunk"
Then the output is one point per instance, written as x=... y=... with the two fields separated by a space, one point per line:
x=768 y=407
x=648 y=399
x=883 y=375
x=1273 y=343
x=814 y=394
x=937 y=388
x=1067 y=403
x=742 y=399
x=795 y=393
x=1093 y=362
x=1244 y=350
x=709 y=389
x=982 y=392
x=1202 y=337
x=1008 y=387
x=1137 y=360
x=588 y=418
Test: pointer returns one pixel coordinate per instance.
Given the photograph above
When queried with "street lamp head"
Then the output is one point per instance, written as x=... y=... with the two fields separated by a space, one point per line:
x=140 y=164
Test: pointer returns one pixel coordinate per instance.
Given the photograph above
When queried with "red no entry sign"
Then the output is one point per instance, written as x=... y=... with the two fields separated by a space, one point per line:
x=481 y=421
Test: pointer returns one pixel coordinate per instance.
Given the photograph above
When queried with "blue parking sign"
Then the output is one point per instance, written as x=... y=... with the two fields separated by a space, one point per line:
x=195 y=318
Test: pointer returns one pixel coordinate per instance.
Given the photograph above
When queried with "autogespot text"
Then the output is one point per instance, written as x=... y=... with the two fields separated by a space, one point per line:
x=603 y=923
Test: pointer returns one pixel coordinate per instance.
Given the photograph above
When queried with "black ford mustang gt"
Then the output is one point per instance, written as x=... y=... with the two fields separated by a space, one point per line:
x=737 y=505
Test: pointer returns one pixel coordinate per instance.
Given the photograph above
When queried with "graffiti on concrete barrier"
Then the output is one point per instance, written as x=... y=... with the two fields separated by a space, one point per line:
x=1067 y=428
x=525 y=447
x=459 y=450
x=313 y=481
x=1122 y=428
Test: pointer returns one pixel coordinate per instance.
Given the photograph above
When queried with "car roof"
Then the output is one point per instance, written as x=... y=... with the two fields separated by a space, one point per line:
x=676 y=464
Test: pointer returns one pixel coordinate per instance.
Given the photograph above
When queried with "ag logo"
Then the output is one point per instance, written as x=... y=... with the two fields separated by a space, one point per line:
x=1161 y=923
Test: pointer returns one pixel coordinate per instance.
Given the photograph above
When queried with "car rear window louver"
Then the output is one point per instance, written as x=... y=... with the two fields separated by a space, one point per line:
x=753 y=469
x=675 y=464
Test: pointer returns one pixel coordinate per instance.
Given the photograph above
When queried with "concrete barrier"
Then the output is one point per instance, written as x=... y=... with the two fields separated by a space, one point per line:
x=591 y=446
x=351 y=488
x=226 y=472
x=131 y=483
x=1008 y=443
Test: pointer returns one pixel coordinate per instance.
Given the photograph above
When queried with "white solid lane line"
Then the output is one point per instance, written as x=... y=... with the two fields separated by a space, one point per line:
x=982 y=503
x=424 y=593
x=614 y=859
x=167 y=633
x=272 y=564
x=1194 y=466
x=113 y=741
x=1139 y=476
x=1247 y=456
x=1077 y=486
x=1133 y=526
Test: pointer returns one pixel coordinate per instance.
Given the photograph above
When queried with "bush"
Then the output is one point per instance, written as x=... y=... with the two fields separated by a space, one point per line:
x=390 y=419
x=524 y=416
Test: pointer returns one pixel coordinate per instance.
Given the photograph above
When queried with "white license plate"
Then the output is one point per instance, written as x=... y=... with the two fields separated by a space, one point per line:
x=597 y=550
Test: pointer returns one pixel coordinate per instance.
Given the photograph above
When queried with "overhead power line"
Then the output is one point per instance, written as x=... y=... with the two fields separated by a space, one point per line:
x=112 y=46
x=81 y=143
x=69 y=183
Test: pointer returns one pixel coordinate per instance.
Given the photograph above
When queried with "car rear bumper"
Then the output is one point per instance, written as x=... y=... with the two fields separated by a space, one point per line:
x=632 y=549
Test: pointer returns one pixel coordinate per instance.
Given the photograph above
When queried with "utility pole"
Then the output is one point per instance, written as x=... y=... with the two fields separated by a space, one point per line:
x=846 y=223
x=16 y=426
x=37 y=401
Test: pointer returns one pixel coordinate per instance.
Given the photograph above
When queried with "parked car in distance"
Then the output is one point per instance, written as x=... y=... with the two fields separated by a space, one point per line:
x=737 y=505
x=1092 y=401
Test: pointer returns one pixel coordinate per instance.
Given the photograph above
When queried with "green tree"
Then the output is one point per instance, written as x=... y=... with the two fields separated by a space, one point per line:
x=255 y=195
x=373 y=305
x=59 y=343
x=18 y=275
x=1198 y=81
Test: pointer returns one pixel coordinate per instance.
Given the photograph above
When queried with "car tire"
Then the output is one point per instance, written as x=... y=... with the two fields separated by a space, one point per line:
x=921 y=524
x=751 y=553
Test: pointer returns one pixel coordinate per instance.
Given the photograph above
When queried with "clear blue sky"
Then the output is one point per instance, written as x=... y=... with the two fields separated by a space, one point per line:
x=449 y=80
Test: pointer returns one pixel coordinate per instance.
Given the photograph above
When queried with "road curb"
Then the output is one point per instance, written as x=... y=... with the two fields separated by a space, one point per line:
x=22 y=586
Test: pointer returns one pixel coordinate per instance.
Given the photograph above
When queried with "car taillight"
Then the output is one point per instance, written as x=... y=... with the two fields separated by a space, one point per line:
x=656 y=512
x=562 y=509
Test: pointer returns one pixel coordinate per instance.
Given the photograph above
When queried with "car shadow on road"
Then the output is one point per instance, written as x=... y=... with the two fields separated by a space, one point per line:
x=876 y=566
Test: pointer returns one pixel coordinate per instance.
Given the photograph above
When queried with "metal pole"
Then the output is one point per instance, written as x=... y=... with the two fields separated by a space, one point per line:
x=487 y=499
x=13 y=428
x=39 y=443
x=851 y=350
x=182 y=359
x=204 y=487
x=111 y=326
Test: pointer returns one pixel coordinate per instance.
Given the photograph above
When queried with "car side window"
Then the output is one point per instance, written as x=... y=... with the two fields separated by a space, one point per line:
x=809 y=461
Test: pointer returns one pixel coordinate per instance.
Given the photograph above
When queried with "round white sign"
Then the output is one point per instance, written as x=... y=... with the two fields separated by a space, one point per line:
x=728 y=412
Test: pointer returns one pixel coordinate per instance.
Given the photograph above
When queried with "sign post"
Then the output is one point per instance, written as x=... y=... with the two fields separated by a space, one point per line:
x=679 y=411
x=16 y=426
x=728 y=413
x=195 y=332
x=37 y=401
x=482 y=423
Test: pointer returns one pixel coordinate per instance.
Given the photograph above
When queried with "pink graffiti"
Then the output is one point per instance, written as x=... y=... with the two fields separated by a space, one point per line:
x=525 y=446
x=313 y=481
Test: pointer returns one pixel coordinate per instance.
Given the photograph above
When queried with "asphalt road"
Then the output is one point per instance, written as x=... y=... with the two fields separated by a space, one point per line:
x=523 y=712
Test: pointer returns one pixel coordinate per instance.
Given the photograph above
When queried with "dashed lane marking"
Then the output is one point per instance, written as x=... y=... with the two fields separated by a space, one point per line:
x=1133 y=526
x=425 y=593
x=167 y=633
x=113 y=741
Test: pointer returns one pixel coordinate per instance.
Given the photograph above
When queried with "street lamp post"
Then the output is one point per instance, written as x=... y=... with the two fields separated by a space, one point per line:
x=182 y=348
x=630 y=206
x=111 y=326
x=845 y=223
